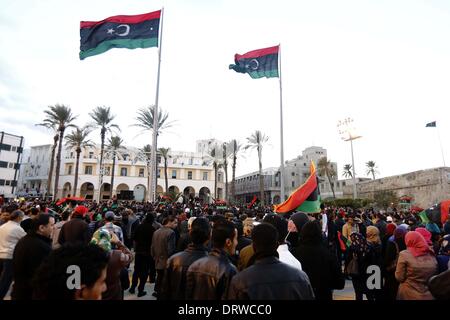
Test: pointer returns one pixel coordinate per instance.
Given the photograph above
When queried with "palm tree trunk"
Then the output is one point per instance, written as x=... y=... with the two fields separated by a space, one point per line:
x=102 y=147
x=58 y=162
x=148 y=181
x=331 y=185
x=226 y=180
x=215 y=181
x=52 y=164
x=75 y=183
x=373 y=174
x=233 y=179
x=166 y=178
x=112 y=175
x=261 y=180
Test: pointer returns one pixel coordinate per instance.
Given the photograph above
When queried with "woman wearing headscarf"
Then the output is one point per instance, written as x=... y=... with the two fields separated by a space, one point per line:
x=374 y=257
x=355 y=263
x=415 y=266
x=118 y=259
x=318 y=262
x=390 y=228
x=394 y=246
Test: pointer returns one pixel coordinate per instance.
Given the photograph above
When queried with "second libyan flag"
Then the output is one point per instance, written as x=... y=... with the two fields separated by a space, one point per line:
x=258 y=63
x=138 y=31
x=306 y=198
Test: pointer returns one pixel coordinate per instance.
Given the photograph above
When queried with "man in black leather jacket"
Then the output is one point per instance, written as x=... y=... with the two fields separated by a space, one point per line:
x=209 y=278
x=174 y=283
x=268 y=278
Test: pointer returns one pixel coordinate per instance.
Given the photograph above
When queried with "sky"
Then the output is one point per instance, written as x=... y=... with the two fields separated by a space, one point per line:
x=385 y=64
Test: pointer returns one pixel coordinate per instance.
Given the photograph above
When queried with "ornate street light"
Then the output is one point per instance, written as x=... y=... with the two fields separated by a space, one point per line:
x=348 y=133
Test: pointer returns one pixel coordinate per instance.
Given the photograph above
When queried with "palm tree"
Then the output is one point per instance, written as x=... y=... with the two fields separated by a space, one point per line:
x=146 y=152
x=77 y=140
x=236 y=147
x=214 y=158
x=60 y=117
x=325 y=168
x=164 y=152
x=114 y=145
x=52 y=158
x=145 y=119
x=371 y=168
x=256 y=141
x=348 y=171
x=103 y=118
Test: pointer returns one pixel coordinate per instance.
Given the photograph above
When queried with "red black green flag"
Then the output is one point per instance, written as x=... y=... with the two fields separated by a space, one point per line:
x=257 y=63
x=437 y=214
x=305 y=198
x=131 y=32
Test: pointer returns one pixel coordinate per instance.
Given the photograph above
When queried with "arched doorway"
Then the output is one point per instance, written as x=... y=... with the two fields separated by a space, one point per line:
x=174 y=189
x=105 y=192
x=189 y=191
x=122 y=192
x=159 y=190
x=67 y=188
x=276 y=199
x=122 y=187
x=87 y=190
x=204 y=194
x=139 y=192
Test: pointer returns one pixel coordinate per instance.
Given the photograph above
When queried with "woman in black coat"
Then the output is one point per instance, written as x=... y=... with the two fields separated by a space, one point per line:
x=318 y=262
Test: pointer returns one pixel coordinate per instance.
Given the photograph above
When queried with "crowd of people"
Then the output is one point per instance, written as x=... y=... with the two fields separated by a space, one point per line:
x=90 y=250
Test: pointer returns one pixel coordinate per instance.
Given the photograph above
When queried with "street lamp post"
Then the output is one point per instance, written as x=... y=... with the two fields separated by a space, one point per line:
x=347 y=132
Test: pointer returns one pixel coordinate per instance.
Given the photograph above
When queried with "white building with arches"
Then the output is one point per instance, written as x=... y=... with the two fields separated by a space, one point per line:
x=188 y=172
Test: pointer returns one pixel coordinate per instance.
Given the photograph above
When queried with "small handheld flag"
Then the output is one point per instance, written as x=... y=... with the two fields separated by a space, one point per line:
x=258 y=63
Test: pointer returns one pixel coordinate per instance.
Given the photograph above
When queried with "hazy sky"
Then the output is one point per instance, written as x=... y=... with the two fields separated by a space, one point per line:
x=384 y=63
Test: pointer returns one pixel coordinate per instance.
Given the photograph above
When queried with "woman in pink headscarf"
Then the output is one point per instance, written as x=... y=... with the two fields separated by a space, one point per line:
x=415 y=266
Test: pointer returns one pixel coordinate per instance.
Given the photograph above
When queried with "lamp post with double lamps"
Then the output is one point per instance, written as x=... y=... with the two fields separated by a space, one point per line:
x=348 y=133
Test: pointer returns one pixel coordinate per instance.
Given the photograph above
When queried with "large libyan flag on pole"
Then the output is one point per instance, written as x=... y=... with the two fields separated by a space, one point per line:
x=305 y=198
x=257 y=63
x=131 y=32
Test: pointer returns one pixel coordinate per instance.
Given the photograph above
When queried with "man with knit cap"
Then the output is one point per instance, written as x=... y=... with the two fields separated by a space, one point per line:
x=295 y=224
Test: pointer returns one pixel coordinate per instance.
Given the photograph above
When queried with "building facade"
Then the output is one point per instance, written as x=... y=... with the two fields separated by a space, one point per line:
x=11 y=150
x=296 y=171
x=34 y=171
x=190 y=173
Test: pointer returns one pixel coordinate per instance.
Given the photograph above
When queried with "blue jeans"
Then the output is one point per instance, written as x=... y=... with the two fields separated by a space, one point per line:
x=6 y=276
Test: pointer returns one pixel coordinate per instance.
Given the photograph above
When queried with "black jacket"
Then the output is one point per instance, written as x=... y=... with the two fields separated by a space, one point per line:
x=209 y=278
x=73 y=231
x=319 y=264
x=440 y=286
x=142 y=237
x=28 y=255
x=174 y=282
x=183 y=242
x=270 y=279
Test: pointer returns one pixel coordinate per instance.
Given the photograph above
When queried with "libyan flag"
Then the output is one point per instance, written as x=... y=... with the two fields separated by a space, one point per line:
x=437 y=214
x=257 y=63
x=131 y=32
x=306 y=198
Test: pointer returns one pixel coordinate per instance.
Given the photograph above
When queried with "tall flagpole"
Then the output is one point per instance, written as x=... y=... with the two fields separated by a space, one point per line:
x=440 y=143
x=281 y=130
x=153 y=175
